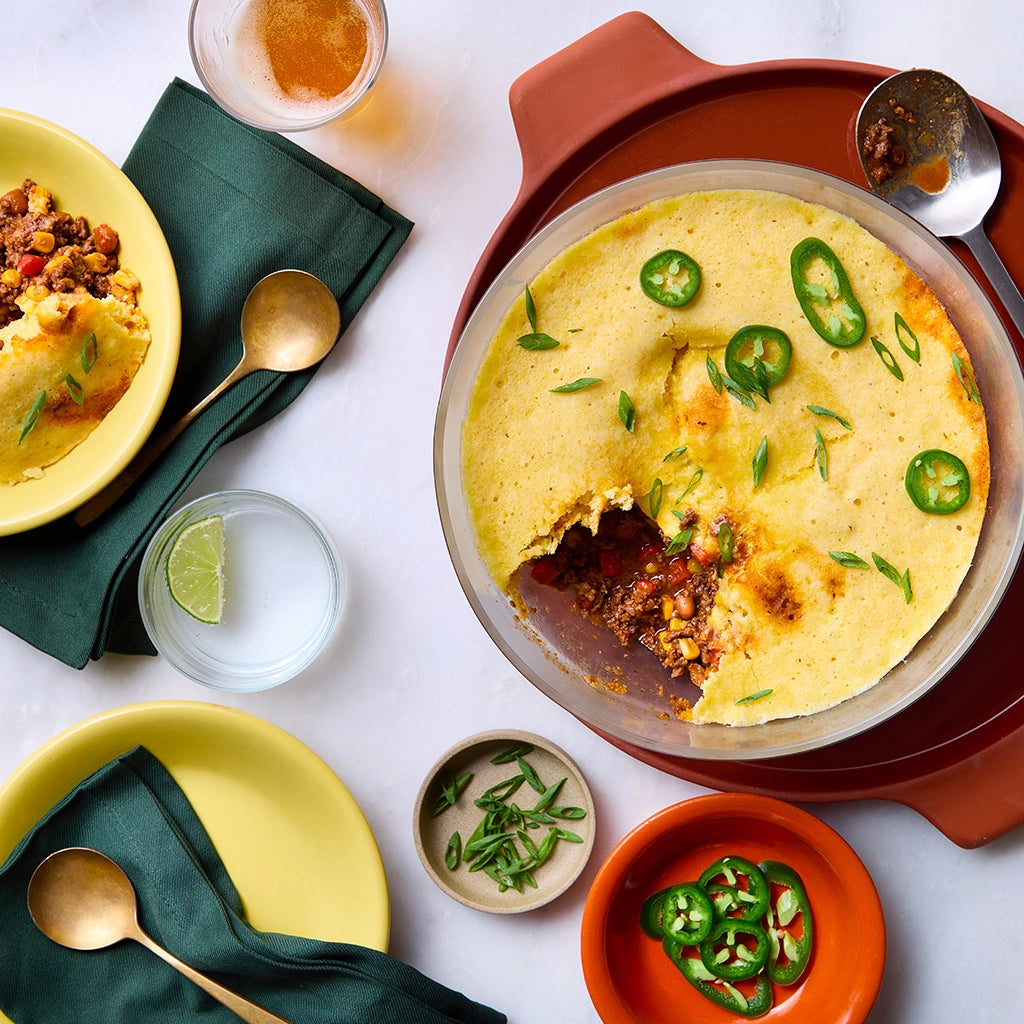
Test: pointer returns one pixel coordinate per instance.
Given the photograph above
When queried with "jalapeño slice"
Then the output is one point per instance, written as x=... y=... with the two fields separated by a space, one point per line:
x=671 y=278
x=938 y=482
x=723 y=994
x=825 y=293
x=735 y=949
x=652 y=914
x=746 y=884
x=757 y=357
x=687 y=914
x=791 y=926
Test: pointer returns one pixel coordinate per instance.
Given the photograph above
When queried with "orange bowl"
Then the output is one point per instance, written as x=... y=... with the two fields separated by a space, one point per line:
x=632 y=981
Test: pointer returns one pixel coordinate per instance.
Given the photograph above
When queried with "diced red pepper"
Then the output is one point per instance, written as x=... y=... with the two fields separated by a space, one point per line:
x=677 y=572
x=704 y=557
x=610 y=562
x=30 y=264
x=544 y=570
x=645 y=586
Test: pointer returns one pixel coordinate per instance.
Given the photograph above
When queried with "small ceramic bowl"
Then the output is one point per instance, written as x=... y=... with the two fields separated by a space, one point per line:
x=630 y=978
x=227 y=42
x=433 y=828
x=284 y=591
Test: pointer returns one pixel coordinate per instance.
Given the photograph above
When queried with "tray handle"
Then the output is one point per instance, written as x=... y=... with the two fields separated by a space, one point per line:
x=973 y=801
x=568 y=99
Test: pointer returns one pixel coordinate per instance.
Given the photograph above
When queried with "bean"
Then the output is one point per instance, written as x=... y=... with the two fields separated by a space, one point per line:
x=686 y=607
x=104 y=238
x=14 y=202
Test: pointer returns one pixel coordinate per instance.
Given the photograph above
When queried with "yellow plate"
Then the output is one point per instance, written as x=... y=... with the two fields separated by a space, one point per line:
x=292 y=837
x=84 y=182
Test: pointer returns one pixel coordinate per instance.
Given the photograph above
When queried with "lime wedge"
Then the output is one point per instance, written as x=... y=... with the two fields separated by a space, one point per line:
x=195 y=569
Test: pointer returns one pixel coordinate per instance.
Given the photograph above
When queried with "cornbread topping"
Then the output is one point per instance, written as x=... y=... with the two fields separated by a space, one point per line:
x=800 y=442
x=71 y=334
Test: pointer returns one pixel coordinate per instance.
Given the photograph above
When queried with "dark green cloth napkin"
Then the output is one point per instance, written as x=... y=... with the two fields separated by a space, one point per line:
x=133 y=811
x=235 y=204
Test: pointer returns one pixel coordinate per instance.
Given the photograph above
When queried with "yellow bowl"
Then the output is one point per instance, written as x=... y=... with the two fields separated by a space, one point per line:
x=84 y=182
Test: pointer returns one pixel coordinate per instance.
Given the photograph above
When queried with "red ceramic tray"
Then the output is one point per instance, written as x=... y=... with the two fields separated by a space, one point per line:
x=628 y=98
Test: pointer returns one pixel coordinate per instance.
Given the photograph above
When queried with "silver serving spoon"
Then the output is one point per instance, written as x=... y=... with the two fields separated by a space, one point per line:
x=927 y=148
x=81 y=899
x=290 y=321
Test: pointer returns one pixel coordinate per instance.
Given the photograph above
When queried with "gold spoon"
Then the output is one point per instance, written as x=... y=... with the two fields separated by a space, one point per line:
x=290 y=321
x=81 y=899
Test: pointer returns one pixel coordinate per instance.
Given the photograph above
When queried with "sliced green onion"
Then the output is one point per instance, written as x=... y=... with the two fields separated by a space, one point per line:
x=820 y=454
x=537 y=342
x=760 y=461
x=698 y=473
x=655 y=497
x=627 y=412
x=90 y=353
x=33 y=416
x=531 y=309
x=907 y=339
x=512 y=754
x=453 y=852
x=966 y=380
x=888 y=359
x=738 y=393
x=751 y=697
x=679 y=543
x=74 y=388
x=819 y=410
x=848 y=559
x=451 y=788
x=714 y=374
x=726 y=543
x=890 y=572
x=577 y=385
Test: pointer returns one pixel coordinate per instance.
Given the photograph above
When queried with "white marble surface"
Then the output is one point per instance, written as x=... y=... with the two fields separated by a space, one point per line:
x=412 y=671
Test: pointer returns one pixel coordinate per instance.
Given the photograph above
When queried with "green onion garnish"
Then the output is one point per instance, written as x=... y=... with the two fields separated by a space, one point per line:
x=33 y=416
x=627 y=412
x=577 y=385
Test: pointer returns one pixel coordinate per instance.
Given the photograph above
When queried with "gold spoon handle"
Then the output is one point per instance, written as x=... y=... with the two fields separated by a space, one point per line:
x=99 y=503
x=245 y=1009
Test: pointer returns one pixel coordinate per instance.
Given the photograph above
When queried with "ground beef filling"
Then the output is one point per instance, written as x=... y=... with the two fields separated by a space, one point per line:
x=884 y=156
x=44 y=250
x=623 y=577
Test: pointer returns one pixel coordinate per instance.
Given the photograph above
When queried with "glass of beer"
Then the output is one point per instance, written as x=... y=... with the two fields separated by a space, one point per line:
x=288 y=65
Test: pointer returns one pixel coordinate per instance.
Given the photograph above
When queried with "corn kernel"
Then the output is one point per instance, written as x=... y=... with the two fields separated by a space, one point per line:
x=689 y=648
x=95 y=262
x=42 y=241
x=667 y=608
x=675 y=623
x=58 y=264
x=36 y=292
x=127 y=279
x=11 y=277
